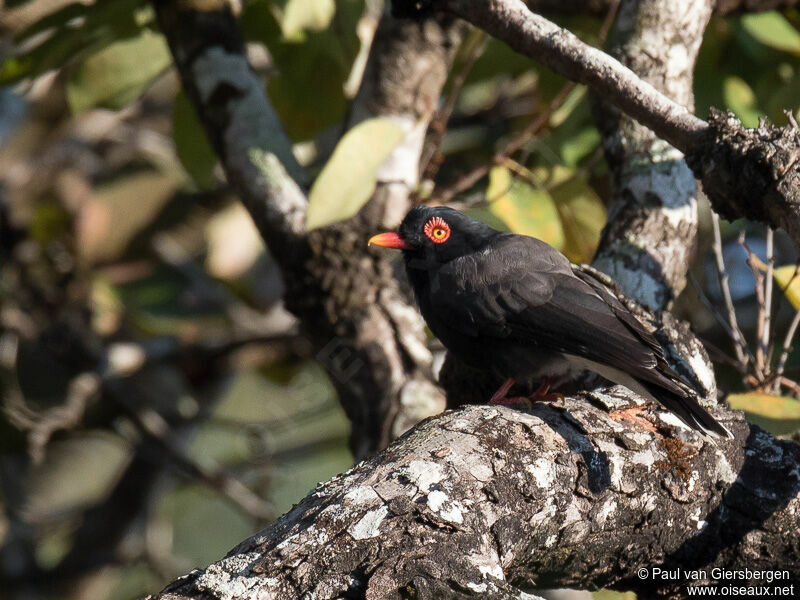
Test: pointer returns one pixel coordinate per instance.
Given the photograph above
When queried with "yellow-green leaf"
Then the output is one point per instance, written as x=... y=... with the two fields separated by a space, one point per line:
x=306 y=15
x=777 y=414
x=788 y=278
x=525 y=209
x=741 y=99
x=583 y=216
x=772 y=29
x=767 y=405
x=571 y=102
x=348 y=179
x=118 y=74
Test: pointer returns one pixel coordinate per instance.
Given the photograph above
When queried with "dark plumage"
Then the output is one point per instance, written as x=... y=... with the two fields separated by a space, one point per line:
x=515 y=305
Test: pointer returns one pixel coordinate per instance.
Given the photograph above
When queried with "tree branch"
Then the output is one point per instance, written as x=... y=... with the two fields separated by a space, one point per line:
x=483 y=500
x=239 y=120
x=648 y=243
x=364 y=330
x=599 y=7
x=532 y=35
x=752 y=173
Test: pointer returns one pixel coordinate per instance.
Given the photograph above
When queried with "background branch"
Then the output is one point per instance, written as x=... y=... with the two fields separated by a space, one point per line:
x=752 y=173
x=598 y=7
x=364 y=330
x=650 y=237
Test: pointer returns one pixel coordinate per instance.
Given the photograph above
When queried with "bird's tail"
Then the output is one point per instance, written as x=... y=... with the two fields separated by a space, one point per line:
x=688 y=410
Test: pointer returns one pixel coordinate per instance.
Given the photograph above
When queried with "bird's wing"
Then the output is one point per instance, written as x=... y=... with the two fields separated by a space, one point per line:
x=521 y=289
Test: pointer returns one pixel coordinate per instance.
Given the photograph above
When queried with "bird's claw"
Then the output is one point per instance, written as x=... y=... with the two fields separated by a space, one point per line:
x=543 y=394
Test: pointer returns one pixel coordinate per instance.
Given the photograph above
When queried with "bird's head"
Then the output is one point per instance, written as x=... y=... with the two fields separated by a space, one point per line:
x=437 y=233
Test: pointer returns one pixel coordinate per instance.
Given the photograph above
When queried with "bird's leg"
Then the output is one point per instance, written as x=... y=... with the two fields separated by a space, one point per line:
x=632 y=415
x=543 y=394
x=501 y=396
x=501 y=392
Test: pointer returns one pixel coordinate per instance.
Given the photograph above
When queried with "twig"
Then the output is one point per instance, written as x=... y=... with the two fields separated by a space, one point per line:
x=739 y=344
x=431 y=159
x=787 y=346
x=760 y=366
x=536 y=37
x=790 y=384
x=738 y=364
x=466 y=181
x=764 y=341
x=154 y=427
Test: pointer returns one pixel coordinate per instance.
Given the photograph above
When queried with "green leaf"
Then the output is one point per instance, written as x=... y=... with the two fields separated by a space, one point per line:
x=773 y=30
x=525 y=209
x=577 y=147
x=308 y=92
x=583 y=216
x=348 y=179
x=741 y=99
x=102 y=24
x=571 y=102
x=778 y=414
x=191 y=144
x=306 y=15
x=118 y=74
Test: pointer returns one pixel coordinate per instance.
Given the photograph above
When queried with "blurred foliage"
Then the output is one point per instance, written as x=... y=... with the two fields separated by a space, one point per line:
x=191 y=144
x=777 y=414
x=115 y=226
x=118 y=74
x=349 y=176
x=526 y=209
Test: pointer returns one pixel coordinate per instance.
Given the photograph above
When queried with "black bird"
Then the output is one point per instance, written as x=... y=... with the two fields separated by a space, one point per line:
x=516 y=306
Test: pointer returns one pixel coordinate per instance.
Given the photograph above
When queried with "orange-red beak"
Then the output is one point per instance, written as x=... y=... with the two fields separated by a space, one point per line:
x=389 y=240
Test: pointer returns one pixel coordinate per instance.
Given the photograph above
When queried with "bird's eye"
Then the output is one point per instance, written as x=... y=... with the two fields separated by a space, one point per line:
x=437 y=230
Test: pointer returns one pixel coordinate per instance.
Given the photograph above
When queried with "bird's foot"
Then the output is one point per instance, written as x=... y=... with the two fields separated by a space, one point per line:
x=543 y=393
x=632 y=415
x=501 y=398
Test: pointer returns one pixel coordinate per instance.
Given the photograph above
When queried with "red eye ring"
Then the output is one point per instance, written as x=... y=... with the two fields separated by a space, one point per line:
x=437 y=230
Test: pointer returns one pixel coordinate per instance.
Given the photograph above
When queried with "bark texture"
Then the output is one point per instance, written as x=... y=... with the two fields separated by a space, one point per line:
x=365 y=331
x=652 y=226
x=751 y=173
x=486 y=502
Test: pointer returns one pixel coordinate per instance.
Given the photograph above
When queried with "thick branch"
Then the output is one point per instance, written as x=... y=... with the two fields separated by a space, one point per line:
x=746 y=173
x=351 y=304
x=538 y=38
x=481 y=499
x=599 y=7
x=239 y=120
x=364 y=331
x=650 y=237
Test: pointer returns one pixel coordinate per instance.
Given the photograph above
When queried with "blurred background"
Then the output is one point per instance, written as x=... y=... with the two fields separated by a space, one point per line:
x=121 y=245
